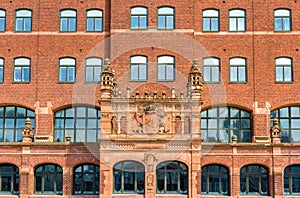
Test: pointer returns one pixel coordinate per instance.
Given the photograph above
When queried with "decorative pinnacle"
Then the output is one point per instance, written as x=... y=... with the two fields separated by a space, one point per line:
x=275 y=122
x=106 y=62
x=196 y=62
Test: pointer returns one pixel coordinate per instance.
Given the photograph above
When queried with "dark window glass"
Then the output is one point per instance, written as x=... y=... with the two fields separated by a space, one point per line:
x=215 y=180
x=292 y=180
x=68 y=21
x=254 y=180
x=129 y=177
x=219 y=124
x=171 y=178
x=289 y=121
x=82 y=123
x=12 y=120
x=94 y=21
x=1 y=70
x=86 y=179
x=9 y=179
x=48 y=179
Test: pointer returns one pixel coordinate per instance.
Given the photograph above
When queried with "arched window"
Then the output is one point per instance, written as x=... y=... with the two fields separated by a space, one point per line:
x=237 y=20
x=68 y=20
x=139 y=18
x=172 y=177
x=48 y=179
x=67 y=70
x=292 y=180
x=283 y=69
x=219 y=124
x=282 y=20
x=9 y=179
x=254 y=180
x=23 y=20
x=165 y=68
x=289 y=121
x=2 y=20
x=165 y=17
x=12 y=120
x=86 y=179
x=129 y=177
x=215 y=180
x=1 y=70
x=211 y=70
x=238 y=70
x=178 y=126
x=138 y=68
x=93 y=68
x=22 y=70
x=82 y=123
x=94 y=20
x=210 y=20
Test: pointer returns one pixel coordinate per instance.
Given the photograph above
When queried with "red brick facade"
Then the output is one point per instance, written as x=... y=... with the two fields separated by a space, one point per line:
x=259 y=95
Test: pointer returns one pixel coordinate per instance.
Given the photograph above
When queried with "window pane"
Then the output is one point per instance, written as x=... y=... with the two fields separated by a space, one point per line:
x=233 y=74
x=206 y=24
x=134 y=72
x=287 y=74
x=279 y=74
x=27 y=24
x=19 y=24
x=63 y=24
x=286 y=24
x=143 y=72
x=143 y=22
x=26 y=74
x=90 y=24
x=277 y=24
x=170 y=22
x=214 y=24
x=170 y=72
x=134 y=22
x=72 y=24
x=161 y=22
x=242 y=74
x=232 y=24
x=241 y=24
x=2 y=24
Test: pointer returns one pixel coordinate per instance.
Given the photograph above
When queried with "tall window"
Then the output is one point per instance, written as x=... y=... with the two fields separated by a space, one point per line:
x=48 y=179
x=22 y=70
x=93 y=68
x=237 y=20
x=12 y=120
x=282 y=20
x=215 y=180
x=210 y=20
x=138 y=68
x=165 y=68
x=292 y=180
x=139 y=18
x=283 y=69
x=94 y=20
x=254 y=180
x=23 y=20
x=219 y=124
x=68 y=21
x=165 y=18
x=238 y=70
x=211 y=70
x=289 y=120
x=86 y=180
x=2 y=20
x=1 y=70
x=9 y=179
x=129 y=177
x=67 y=69
x=82 y=123
x=172 y=177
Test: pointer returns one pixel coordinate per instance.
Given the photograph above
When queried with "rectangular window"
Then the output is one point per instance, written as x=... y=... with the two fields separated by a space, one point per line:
x=93 y=68
x=139 y=18
x=2 y=20
x=283 y=70
x=138 y=68
x=238 y=70
x=67 y=70
x=211 y=70
x=68 y=21
x=237 y=20
x=94 y=21
x=210 y=21
x=23 y=21
x=22 y=70
x=165 y=18
x=282 y=20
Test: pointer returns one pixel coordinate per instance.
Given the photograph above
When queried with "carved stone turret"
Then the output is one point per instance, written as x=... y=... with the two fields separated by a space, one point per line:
x=107 y=80
x=27 y=134
x=276 y=132
x=195 y=80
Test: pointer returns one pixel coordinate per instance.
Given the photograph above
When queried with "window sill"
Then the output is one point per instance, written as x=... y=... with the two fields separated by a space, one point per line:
x=238 y=82
x=66 y=82
x=283 y=82
x=20 y=82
